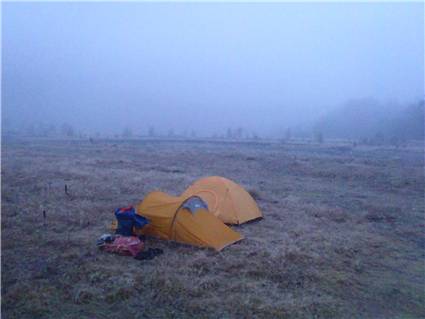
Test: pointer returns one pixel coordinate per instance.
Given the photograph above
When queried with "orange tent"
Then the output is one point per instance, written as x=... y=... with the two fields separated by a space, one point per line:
x=226 y=199
x=186 y=220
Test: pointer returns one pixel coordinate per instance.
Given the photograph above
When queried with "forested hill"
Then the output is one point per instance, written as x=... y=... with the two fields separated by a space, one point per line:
x=370 y=119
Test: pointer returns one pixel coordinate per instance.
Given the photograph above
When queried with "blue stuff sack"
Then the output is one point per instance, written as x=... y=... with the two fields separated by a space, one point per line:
x=127 y=219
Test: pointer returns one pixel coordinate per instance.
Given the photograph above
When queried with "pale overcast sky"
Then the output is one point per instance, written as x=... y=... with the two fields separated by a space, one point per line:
x=182 y=66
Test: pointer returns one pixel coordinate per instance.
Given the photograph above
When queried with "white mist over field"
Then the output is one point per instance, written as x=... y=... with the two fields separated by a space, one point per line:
x=202 y=68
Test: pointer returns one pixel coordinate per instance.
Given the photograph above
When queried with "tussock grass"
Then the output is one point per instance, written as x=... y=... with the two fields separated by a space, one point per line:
x=342 y=235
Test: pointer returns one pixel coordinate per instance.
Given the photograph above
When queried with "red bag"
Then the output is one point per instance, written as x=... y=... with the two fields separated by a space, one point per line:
x=125 y=246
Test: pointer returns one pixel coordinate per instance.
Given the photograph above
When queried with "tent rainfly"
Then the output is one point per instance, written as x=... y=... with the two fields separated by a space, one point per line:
x=199 y=215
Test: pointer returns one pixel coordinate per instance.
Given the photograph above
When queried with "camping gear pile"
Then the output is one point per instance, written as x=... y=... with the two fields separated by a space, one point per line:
x=128 y=220
x=197 y=217
x=125 y=242
x=122 y=245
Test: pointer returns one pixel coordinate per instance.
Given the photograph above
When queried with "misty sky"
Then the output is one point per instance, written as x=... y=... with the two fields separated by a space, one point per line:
x=183 y=66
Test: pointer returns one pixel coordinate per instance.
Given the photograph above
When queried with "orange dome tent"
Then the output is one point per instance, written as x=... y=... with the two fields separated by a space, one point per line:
x=186 y=220
x=197 y=217
x=226 y=199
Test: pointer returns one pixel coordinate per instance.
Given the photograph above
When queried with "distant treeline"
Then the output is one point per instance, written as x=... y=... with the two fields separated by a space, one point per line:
x=368 y=120
x=66 y=130
x=364 y=120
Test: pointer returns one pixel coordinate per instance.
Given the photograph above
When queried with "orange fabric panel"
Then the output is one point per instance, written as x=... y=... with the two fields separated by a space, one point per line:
x=213 y=191
x=159 y=208
x=170 y=222
x=245 y=206
x=158 y=200
x=203 y=229
x=226 y=199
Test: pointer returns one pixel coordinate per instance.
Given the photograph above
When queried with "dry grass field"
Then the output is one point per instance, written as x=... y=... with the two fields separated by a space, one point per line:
x=342 y=237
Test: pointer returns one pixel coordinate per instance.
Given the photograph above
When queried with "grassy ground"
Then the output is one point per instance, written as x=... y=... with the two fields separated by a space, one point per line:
x=342 y=237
